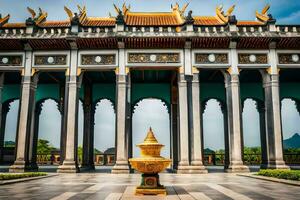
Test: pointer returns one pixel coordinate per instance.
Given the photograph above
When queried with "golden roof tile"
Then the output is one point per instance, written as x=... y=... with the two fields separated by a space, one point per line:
x=50 y=24
x=14 y=25
x=99 y=21
x=152 y=19
x=207 y=20
x=249 y=23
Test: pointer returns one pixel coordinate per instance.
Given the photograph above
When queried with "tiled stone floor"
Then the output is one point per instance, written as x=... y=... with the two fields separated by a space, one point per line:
x=219 y=186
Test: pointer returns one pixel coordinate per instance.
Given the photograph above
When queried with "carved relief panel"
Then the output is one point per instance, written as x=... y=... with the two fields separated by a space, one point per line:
x=107 y=59
x=287 y=58
x=50 y=60
x=154 y=58
x=11 y=60
x=245 y=58
x=211 y=58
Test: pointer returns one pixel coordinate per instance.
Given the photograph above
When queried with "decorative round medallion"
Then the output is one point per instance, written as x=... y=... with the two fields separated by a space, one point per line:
x=5 y=60
x=295 y=58
x=211 y=58
x=98 y=59
x=142 y=58
x=50 y=60
x=153 y=58
x=252 y=58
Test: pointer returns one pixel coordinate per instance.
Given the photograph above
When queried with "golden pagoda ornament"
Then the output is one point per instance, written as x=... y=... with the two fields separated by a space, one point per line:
x=150 y=164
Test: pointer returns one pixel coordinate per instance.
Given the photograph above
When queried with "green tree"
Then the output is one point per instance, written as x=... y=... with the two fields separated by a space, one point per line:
x=44 y=147
x=79 y=153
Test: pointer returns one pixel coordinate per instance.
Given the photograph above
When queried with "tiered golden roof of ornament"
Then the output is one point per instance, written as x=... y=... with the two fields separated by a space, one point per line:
x=176 y=17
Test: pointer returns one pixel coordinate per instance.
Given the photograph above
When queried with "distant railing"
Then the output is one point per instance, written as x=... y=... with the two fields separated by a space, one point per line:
x=54 y=159
x=209 y=159
x=249 y=159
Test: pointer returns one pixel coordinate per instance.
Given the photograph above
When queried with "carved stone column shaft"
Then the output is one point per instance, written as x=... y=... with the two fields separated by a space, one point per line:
x=121 y=165
x=234 y=124
x=273 y=122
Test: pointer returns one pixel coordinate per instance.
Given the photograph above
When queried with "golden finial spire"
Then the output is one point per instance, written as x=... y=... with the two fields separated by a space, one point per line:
x=150 y=138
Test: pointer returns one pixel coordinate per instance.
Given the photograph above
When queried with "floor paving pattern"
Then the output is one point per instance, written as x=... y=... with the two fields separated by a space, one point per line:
x=95 y=186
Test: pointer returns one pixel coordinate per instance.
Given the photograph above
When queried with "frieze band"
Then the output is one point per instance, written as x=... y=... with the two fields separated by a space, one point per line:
x=289 y=58
x=11 y=60
x=153 y=58
x=253 y=58
x=50 y=60
x=205 y=58
x=98 y=59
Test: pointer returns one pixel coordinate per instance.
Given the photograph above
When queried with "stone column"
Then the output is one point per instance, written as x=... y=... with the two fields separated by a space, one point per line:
x=196 y=132
x=234 y=123
x=70 y=164
x=88 y=137
x=26 y=109
x=226 y=136
x=273 y=122
x=2 y=118
x=34 y=137
x=174 y=128
x=264 y=151
x=63 y=108
x=183 y=165
x=121 y=165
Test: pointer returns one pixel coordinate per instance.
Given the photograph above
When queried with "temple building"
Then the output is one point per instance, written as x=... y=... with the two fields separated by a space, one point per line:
x=181 y=59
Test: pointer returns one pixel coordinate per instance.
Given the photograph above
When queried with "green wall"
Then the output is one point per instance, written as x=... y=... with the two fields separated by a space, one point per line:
x=151 y=90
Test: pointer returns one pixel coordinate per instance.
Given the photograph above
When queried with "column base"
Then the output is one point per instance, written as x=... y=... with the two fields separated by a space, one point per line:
x=68 y=167
x=21 y=167
x=121 y=168
x=274 y=165
x=87 y=167
x=191 y=169
x=237 y=168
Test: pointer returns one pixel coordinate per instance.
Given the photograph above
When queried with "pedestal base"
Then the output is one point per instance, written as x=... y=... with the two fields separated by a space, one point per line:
x=120 y=169
x=150 y=185
x=237 y=169
x=191 y=169
x=21 y=167
x=142 y=191
x=68 y=167
x=87 y=167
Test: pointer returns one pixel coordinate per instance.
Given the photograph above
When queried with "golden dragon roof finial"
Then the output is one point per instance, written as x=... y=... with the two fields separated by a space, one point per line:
x=69 y=12
x=41 y=16
x=224 y=16
x=263 y=16
x=82 y=13
x=4 y=20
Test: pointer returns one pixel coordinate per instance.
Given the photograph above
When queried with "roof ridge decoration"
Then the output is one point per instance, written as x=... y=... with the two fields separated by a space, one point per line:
x=174 y=18
x=42 y=16
x=224 y=17
x=4 y=20
x=264 y=16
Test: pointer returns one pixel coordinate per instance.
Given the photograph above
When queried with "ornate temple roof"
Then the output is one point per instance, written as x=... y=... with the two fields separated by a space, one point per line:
x=176 y=17
x=127 y=29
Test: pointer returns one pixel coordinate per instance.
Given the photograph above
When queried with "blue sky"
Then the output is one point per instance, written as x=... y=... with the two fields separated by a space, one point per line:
x=285 y=11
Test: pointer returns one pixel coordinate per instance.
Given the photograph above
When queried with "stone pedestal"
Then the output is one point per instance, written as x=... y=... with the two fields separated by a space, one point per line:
x=150 y=185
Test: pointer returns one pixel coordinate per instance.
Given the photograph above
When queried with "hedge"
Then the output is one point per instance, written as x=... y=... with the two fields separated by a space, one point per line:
x=281 y=173
x=21 y=175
